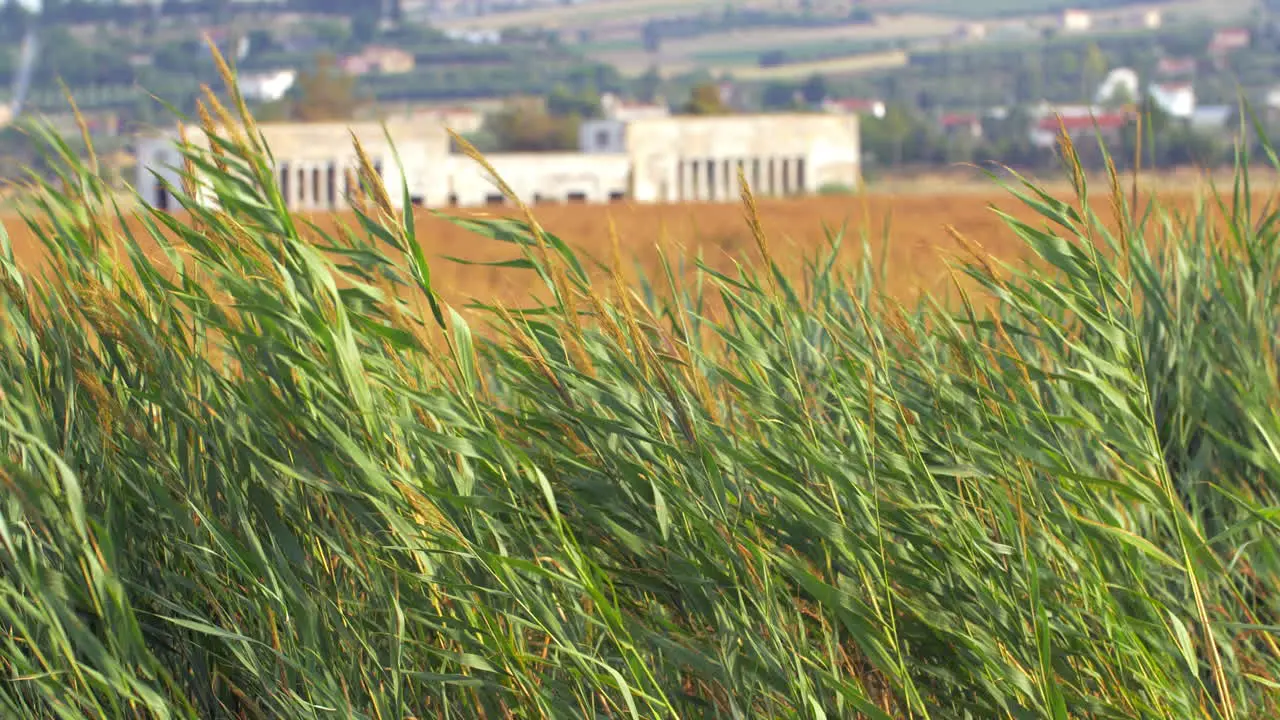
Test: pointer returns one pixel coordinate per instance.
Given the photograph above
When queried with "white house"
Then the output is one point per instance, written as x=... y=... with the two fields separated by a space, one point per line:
x=1119 y=81
x=616 y=108
x=1177 y=99
x=267 y=86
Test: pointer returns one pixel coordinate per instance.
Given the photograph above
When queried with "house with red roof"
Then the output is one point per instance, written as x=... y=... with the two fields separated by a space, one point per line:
x=1229 y=39
x=1046 y=130
x=379 y=59
x=1176 y=66
x=958 y=124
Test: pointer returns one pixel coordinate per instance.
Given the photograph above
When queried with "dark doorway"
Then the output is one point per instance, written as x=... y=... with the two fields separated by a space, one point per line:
x=576 y=198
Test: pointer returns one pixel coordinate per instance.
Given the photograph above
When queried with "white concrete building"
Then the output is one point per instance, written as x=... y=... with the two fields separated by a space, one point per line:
x=652 y=158
x=697 y=157
x=267 y=86
x=314 y=161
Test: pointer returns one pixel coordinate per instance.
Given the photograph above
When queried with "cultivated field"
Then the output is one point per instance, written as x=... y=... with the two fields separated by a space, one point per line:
x=913 y=221
x=614 y=27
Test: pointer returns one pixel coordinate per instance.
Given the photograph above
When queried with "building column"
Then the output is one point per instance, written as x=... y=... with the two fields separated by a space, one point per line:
x=726 y=182
x=311 y=200
x=291 y=197
x=344 y=185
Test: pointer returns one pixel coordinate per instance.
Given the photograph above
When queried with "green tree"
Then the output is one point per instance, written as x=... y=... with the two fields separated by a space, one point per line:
x=562 y=102
x=528 y=127
x=778 y=96
x=814 y=89
x=324 y=93
x=1120 y=97
x=1093 y=68
x=705 y=100
x=648 y=85
x=14 y=21
x=1028 y=82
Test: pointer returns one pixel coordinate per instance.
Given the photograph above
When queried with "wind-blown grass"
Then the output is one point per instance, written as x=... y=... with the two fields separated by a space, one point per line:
x=268 y=477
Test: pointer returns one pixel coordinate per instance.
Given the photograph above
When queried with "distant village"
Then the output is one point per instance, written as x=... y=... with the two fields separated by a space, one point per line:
x=1119 y=95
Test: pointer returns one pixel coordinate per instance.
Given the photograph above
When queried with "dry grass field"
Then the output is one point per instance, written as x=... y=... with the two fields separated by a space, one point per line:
x=918 y=246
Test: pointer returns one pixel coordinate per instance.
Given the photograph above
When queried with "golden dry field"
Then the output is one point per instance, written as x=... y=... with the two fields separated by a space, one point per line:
x=918 y=244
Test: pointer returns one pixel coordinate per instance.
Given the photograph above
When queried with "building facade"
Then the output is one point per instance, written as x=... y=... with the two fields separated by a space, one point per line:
x=647 y=159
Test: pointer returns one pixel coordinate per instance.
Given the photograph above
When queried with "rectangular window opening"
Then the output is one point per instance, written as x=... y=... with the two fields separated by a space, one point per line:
x=284 y=183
